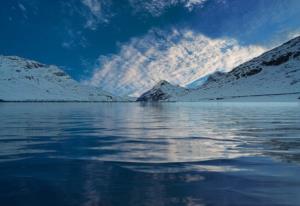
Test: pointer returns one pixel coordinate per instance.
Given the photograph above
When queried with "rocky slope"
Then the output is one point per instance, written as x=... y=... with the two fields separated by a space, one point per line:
x=273 y=76
x=163 y=91
x=26 y=80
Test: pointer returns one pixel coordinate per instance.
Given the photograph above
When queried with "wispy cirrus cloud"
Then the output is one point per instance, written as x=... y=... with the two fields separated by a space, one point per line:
x=22 y=7
x=74 y=39
x=99 y=12
x=157 y=7
x=179 y=56
x=190 y=4
x=23 y=10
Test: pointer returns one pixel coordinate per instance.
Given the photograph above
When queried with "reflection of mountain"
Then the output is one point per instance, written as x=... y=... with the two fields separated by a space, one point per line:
x=286 y=149
x=149 y=132
x=171 y=137
x=128 y=132
x=149 y=154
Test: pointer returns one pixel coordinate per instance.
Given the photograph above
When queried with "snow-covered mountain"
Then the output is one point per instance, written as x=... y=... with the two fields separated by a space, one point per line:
x=273 y=76
x=27 y=80
x=202 y=80
x=163 y=91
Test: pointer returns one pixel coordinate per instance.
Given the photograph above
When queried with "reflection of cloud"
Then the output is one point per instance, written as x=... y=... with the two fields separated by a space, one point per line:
x=168 y=133
x=179 y=56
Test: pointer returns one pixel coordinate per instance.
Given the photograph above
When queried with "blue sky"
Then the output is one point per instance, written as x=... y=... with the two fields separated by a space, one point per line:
x=125 y=46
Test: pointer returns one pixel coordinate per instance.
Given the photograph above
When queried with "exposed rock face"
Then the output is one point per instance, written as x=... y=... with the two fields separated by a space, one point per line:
x=162 y=92
x=274 y=75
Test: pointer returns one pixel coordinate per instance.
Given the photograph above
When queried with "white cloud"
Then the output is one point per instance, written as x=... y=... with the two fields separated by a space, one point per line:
x=74 y=39
x=157 y=7
x=94 y=6
x=97 y=12
x=23 y=10
x=293 y=34
x=190 y=4
x=179 y=56
x=22 y=7
x=100 y=11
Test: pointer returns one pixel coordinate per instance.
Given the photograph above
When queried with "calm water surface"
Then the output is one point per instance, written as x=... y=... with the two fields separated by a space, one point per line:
x=191 y=154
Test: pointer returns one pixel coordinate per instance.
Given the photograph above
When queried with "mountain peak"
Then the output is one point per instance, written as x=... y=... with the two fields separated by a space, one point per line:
x=163 y=83
x=272 y=76
x=27 y=80
x=162 y=91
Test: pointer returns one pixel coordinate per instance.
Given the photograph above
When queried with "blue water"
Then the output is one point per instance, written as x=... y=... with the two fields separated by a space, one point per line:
x=149 y=154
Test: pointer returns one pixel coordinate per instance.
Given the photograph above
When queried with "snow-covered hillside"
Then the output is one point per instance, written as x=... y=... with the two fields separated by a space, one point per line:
x=202 y=80
x=163 y=91
x=26 y=80
x=275 y=75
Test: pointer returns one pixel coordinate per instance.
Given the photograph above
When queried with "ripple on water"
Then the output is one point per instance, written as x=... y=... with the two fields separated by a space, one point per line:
x=161 y=154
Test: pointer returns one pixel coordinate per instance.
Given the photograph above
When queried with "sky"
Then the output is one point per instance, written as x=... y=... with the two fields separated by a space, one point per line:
x=126 y=46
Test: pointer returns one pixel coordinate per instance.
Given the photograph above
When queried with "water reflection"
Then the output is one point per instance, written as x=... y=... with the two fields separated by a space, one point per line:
x=144 y=133
x=150 y=154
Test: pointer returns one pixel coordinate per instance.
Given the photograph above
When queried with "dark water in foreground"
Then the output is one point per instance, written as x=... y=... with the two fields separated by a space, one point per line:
x=163 y=154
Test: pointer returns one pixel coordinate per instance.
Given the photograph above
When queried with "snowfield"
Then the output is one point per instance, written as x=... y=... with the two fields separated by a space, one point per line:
x=273 y=76
x=26 y=80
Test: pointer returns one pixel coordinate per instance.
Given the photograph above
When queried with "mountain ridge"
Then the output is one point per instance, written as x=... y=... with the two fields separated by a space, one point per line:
x=162 y=91
x=27 y=80
x=274 y=74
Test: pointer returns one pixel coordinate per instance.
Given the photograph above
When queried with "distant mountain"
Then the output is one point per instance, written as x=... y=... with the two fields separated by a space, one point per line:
x=202 y=80
x=27 y=80
x=197 y=83
x=163 y=91
x=274 y=76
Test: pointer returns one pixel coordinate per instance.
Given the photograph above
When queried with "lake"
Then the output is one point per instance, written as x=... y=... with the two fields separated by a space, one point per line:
x=190 y=154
